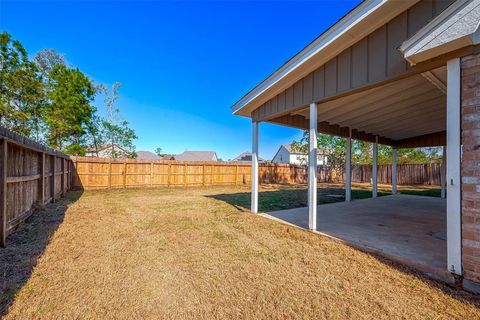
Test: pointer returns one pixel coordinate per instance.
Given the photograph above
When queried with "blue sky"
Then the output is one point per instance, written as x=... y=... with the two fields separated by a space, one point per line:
x=181 y=64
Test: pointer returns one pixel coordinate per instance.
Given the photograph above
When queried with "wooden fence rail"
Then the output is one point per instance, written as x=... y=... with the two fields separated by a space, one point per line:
x=106 y=173
x=31 y=176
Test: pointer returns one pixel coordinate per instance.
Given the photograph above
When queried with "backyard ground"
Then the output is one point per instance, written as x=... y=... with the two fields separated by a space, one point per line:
x=197 y=253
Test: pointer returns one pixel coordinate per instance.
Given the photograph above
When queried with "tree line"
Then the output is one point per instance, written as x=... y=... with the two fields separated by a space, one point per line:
x=362 y=151
x=51 y=102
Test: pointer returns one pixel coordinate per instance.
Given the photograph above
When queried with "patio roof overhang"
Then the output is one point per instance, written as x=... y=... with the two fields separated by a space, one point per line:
x=362 y=82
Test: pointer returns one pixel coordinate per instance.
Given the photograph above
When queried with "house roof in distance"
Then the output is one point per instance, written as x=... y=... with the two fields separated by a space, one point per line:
x=147 y=155
x=246 y=156
x=197 y=156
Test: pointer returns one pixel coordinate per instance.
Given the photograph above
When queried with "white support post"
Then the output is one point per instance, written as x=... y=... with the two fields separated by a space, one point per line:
x=254 y=204
x=443 y=173
x=374 y=168
x=348 y=167
x=454 y=239
x=394 y=171
x=312 y=169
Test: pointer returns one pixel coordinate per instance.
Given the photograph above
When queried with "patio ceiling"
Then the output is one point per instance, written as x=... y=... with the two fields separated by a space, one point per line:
x=407 y=108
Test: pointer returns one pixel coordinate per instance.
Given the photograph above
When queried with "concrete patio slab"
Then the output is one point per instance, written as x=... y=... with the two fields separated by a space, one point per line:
x=404 y=228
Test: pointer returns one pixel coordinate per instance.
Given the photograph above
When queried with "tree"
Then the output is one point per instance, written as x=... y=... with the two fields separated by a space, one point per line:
x=48 y=100
x=362 y=151
x=21 y=89
x=95 y=133
x=122 y=136
x=115 y=130
x=70 y=111
x=158 y=152
x=46 y=60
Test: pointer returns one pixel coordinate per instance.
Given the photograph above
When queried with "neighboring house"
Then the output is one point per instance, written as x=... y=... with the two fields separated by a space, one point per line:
x=196 y=156
x=106 y=151
x=246 y=157
x=147 y=155
x=286 y=155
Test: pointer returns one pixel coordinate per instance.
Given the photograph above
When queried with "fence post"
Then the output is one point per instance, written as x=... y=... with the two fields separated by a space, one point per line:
x=169 y=171
x=68 y=174
x=42 y=179
x=185 y=174
x=151 y=174
x=3 y=191
x=73 y=169
x=109 y=174
x=211 y=174
x=52 y=185
x=203 y=175
x=236 y=173
x=125 y=174
x=63 y=178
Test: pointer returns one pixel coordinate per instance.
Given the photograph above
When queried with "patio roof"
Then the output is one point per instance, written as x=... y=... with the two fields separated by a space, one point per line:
x=359 y=76
x=407 y=108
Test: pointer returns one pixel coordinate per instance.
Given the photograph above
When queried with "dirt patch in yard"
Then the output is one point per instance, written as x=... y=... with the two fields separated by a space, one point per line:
x=186 y=253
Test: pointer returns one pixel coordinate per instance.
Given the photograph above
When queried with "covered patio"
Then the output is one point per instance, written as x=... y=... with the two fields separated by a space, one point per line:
x=404 y=228
x=388 y=72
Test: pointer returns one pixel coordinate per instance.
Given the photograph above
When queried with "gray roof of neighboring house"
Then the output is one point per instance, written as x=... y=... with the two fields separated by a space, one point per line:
x=147 y=155
x=197 y=156
x=246 y=156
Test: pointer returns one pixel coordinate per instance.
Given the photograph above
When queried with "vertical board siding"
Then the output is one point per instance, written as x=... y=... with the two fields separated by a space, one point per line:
x=331 y=77
x=419 y=15
x=308 y=89
x=319 y=83
x=24 y=162
x=360 y=63
x=397 y=31
x=377 y=55
x=289 y=98
x=371 y=60
x=298 y=93
x=344 y=70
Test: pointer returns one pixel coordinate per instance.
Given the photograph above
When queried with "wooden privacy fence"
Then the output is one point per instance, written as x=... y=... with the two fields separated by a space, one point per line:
x=31 y=175
x=407 y=174
x=107 y=173
x=110 y=173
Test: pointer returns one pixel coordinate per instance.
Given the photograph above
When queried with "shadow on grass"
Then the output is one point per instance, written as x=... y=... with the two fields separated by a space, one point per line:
x=26 y=245
x=285 y=197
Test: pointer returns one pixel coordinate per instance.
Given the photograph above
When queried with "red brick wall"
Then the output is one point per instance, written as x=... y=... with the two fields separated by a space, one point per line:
x=471 y=167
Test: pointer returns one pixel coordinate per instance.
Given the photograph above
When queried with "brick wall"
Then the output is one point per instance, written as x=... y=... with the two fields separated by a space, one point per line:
x=471 y=167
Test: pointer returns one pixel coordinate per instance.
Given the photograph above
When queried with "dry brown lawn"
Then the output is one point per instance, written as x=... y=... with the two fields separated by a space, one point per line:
x=185 y=253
